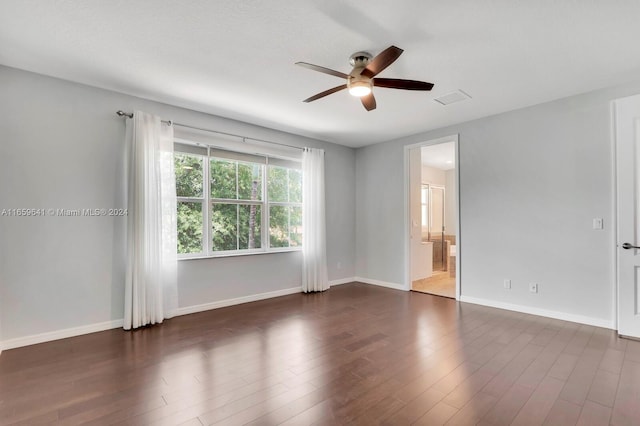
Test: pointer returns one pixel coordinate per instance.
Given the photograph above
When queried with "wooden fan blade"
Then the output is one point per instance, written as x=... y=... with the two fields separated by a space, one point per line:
x=369 y=102
x=383 y=60
x=323 y=70
x=397 y=83
x=326 y=93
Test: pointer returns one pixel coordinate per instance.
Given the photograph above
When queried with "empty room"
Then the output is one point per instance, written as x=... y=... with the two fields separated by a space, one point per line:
x=231 y=212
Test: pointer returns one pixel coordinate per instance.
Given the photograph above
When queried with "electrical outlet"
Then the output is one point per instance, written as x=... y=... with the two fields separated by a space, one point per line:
x=598 y=223
x=533 y=287
x=339 y=265
x=507 y=284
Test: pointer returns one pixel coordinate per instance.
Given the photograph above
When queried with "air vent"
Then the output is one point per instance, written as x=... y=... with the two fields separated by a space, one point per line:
x=452 y=97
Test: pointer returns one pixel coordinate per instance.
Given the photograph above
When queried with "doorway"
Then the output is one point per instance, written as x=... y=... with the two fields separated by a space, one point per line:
x=432 y=217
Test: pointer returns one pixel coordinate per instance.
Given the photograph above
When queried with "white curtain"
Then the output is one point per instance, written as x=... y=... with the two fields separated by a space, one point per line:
x=151 y=293
x=314 y=247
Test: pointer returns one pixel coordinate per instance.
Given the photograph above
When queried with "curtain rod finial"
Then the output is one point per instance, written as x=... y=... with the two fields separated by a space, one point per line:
x=124 y=114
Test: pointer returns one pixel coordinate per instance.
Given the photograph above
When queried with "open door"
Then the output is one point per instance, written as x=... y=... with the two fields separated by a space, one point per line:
x=627 y=134
x=432 y=225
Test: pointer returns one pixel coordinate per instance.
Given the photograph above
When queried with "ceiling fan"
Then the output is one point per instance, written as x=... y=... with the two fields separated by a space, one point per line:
x=362 y=78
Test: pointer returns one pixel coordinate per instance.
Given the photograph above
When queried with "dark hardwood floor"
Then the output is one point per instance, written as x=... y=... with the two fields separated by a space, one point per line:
x=357 y=354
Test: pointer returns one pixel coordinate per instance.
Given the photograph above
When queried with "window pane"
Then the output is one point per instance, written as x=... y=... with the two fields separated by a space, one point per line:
x=425 y=218
x=296 y=226
x=249 y=223
x=295 y=186
x=278 y=226
x=249 y=181
x=224 y=226
x=189 y=178
x=277 y=184
x=189 y=227
x=223 y=179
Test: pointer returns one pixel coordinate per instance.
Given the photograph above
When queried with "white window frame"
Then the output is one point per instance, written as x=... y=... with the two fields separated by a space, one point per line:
x=208 y=153
x=425 y=214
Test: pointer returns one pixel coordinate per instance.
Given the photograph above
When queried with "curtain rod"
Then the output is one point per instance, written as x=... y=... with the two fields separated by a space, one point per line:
x=244 y=138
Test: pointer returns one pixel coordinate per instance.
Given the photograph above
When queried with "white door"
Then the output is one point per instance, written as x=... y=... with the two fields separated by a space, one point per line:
x=627 y=133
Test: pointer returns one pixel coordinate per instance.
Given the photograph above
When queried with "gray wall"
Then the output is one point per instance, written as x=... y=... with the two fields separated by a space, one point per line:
x=62 y=147
x=531 y=182
x=380 y=213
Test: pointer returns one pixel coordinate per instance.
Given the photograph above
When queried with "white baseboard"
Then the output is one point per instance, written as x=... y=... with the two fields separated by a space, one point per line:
x=92 y=328
x=59 y=334
x=394 y=286
x=252 y=298
x=342 y=281
x=581 y=319
x=236 y=301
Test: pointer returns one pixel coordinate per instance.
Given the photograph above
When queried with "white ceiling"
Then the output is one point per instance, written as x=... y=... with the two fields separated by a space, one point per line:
x=235 y=58
x=441 y=156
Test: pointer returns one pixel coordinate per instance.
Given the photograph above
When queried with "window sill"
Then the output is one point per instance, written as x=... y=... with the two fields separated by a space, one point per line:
x=236 y=254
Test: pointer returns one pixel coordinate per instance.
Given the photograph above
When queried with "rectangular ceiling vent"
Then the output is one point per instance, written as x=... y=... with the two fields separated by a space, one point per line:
x=452 y=97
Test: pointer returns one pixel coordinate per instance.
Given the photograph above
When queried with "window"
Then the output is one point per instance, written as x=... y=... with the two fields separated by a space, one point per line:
x=251 y=203
x=424 y=202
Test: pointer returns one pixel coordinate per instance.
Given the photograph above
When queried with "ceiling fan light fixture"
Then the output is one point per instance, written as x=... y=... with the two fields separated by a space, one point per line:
x=360 y=88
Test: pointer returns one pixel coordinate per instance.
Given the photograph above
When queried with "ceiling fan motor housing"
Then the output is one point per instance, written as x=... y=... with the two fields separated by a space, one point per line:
x=360 y=59
x=356 y=81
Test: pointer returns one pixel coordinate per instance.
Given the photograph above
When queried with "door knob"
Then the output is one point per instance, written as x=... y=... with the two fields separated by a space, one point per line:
x=628 y=246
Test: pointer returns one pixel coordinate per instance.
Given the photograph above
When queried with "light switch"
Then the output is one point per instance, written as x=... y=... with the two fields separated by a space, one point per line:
x=598 y=223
